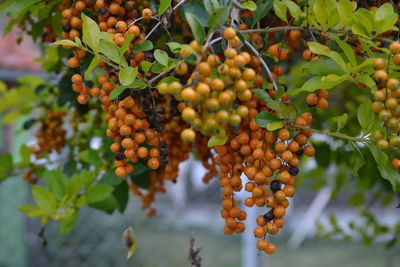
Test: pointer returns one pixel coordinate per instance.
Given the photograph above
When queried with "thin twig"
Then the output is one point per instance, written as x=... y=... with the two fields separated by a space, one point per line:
x=152 y=30
x=159 y=23
x=194 y=254
x=151 y=81
x=216 y=40
x=311 y=29
x=42 y=237
x=263 y=63
x=337 y=135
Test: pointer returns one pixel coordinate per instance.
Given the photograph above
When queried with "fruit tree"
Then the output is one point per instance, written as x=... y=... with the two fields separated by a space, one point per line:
x=243 y=85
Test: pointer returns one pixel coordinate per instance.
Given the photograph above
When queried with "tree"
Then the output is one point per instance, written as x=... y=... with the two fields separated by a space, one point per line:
x=243 y=85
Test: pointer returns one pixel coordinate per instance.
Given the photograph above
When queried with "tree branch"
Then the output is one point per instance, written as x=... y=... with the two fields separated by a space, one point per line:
x=310 y=29
x=337 y=135
x=263 y=63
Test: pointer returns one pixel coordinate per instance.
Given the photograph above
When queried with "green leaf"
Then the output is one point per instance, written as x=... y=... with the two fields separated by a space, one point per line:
x=6 y=164
x=341 y=121
x=161 y=57
x=19 y=6
x=262 y=95
x=107 y=205
x=321 y=12
x=164 y=5
x=323 y=66
x=359 y=30
x=263 y=8
x=264 y=118
x=141 y=175
x=367 y=80
x=217 y=140
x=69 y=223
x=280 y=10
x=91 y=67
x=54 y=179
x=98 y=193
x=250 y=5
x=359 y=159
x=380 y=157
x=385 y=167
x=318 y=48
x=107 y=36
x=146 y=66
x=348 y=51
x=272 y=126
x=81 y=201
x=294 y=9
x=387 y=24
x=121 y=195
x=138 y=84
x=174 y=47
x=217 y=18
x=320 y=82
x=345 y=9
x=44 y=198
x=27 y=208
x=110 y=178
x=25 y=154
x=196 y=27
x=384 y=11
x=90 y=33
x=125 y=46
x=65 y=42
x=127 y=75
x=117 y=91
x=111 y=51
x=282 y=111
x=365 y=115
x=324 y=150
x=211 y=5
x=197 y=10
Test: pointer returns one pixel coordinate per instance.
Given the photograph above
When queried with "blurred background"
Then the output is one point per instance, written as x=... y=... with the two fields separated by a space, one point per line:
x=189 y=209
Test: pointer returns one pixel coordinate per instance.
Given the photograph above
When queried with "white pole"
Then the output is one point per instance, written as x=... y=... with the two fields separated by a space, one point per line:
x=309 y=218
x=250 y=256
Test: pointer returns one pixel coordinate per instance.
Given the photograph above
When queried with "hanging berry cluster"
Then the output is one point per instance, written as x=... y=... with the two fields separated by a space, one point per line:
x=51 y=135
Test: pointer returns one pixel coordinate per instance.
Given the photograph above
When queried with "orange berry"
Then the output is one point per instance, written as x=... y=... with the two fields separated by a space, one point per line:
x=259 y=232
x=153 y=163
x=229 y=33
x=147 y=13
x=270 y=249
x=120 y=172
x=142 y=152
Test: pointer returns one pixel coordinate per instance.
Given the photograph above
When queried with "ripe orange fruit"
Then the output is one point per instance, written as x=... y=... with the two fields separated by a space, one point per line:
x=147 y=13
x=229 y=33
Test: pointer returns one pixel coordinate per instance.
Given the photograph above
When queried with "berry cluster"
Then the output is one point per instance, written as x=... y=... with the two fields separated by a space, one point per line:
x=386 y=104
x=51 y=135
x=270 y=161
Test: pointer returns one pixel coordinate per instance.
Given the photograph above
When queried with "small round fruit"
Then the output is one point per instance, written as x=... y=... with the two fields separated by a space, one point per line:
x=188 y=135
x=147 y=13
x=229 y=33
